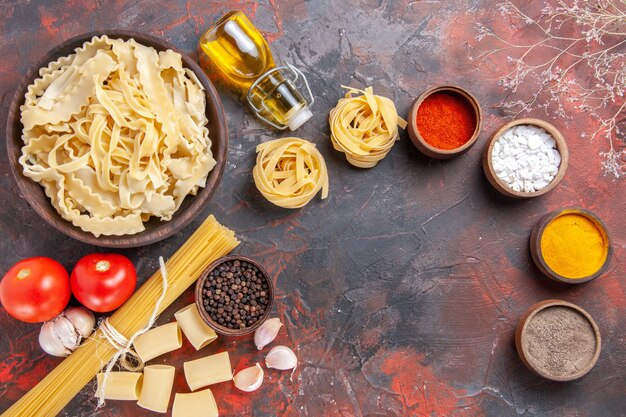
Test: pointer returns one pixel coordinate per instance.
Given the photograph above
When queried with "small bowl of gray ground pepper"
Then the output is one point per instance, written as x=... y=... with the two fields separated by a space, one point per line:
x=234 y=295
x=558 y=340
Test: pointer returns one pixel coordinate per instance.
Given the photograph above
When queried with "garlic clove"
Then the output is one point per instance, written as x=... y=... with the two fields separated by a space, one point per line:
x=64 y=330
x=282 y=358
x=82 y=320
x=249 y=379
x=267 y=332
x=50 y=343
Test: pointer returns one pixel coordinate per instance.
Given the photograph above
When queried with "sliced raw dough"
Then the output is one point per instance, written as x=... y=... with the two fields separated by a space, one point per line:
x=116 y=133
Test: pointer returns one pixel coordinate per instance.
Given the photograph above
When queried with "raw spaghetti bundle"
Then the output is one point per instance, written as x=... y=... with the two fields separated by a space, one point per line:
x=364 y=127
x=289 y=172
x=46 y=399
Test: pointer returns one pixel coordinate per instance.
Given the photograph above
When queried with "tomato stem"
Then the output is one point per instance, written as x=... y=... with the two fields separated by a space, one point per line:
x=103 y=266
x=23 y=273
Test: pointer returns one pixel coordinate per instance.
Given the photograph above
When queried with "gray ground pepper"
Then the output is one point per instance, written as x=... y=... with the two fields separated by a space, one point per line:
x=560 y=341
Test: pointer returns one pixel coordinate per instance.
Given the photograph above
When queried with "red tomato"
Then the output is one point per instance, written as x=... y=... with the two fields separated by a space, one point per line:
x=103 y=281
x=35 y=289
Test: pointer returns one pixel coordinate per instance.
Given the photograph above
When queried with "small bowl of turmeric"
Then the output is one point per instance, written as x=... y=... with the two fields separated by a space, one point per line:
x=444 y=121
x=571 y=245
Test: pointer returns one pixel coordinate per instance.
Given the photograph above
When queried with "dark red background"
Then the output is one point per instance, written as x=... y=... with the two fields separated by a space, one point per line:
x=401 y=291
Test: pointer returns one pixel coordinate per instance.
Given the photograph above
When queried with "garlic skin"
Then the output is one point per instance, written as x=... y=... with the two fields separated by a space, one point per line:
x=82 y=319
x=267 y=332
x=282 y=358
x=63 y=334
x=249 y=379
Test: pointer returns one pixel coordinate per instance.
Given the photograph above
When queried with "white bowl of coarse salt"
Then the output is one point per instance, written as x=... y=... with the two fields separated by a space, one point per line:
x=525 y=158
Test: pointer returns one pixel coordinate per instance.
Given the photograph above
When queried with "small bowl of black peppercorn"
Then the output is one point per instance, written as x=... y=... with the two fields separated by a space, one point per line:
x=234 y=295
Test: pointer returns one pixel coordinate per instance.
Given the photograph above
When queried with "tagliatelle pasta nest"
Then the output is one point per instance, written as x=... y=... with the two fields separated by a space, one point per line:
x=364 y=127
x=289 y=172
x=116 y=133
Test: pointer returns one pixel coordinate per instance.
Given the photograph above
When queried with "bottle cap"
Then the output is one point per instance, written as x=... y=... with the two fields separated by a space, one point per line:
x=299 y=118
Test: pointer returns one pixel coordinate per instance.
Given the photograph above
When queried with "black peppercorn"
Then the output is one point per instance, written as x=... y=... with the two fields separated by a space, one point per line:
x=235 y=294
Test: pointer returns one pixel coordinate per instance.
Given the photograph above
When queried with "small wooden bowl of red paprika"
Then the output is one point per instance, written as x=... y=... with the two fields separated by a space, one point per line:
x=444 y=121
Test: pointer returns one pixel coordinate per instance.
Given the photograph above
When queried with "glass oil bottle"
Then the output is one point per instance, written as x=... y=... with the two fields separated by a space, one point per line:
x=236 y=55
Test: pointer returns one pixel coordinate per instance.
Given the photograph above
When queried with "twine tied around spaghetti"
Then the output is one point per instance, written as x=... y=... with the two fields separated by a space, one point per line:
x=128 y=358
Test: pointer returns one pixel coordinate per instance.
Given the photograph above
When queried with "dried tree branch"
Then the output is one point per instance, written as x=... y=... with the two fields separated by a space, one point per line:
x=578 y=62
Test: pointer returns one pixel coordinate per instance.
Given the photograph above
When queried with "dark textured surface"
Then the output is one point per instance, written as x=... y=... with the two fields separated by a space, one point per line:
x=401 y=291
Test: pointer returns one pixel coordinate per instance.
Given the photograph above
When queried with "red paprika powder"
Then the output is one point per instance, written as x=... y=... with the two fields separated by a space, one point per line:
x=446 y=120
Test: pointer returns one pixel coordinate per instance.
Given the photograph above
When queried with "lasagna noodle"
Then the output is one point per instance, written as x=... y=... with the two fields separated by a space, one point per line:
x=46 y=399
x=364 y=127
x=157 y=341
x=120 y=386
x=195 y=404
x=116 y=134
x=158 y=381
x=289 y=172
x=208 y=370
x=196 y=330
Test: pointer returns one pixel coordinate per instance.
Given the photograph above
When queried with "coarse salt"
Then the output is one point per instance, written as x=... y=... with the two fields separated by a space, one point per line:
x=525 y=158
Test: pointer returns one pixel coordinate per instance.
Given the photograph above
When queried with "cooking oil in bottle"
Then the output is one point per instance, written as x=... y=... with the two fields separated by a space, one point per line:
x=236 y=55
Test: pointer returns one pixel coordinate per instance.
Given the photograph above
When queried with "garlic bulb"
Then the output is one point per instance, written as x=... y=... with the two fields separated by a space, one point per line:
x=249 y=379
x=63 y=334
x=281 y=357
x=267 y=332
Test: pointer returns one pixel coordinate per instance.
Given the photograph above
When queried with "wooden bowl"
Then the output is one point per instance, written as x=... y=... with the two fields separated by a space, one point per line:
x=537 y=234
x=424 y=146
x=156 y=230
x=500 y=185
x=212 y=323
x=520 y=333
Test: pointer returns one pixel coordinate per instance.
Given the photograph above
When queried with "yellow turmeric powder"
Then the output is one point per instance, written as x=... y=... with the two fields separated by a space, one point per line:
x=574 y=246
